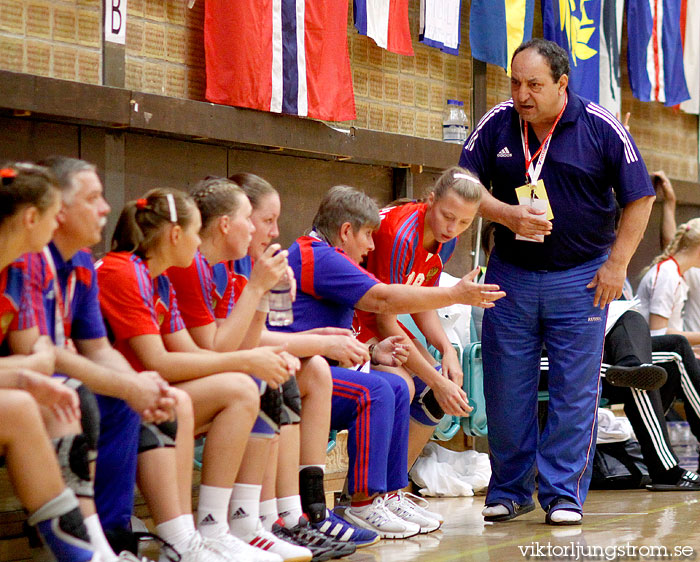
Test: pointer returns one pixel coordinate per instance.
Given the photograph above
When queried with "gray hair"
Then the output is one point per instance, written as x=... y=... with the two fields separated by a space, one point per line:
x=344 y=204
x=65 y=169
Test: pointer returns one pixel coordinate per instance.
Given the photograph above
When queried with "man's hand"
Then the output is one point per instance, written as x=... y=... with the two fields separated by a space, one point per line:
x=608 y=281
x=468 y=292
x=527 y=221
x=269 y=268
x=452 y=399
x=345 y=349
x=49 y=393
x=391 y=351
x=451 y=367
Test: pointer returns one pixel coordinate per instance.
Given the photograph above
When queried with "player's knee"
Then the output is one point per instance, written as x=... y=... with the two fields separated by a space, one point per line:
x=184 y=409
x=315 y=378
x=73 y=455
x=242 y=393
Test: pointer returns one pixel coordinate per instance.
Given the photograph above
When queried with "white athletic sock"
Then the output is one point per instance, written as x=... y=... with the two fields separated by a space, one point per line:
x=565 y=515
x=212 y=510
x=494 y=510
x=178 y=531
x=268 y=513
x=321 y=466
x=244 y=510
x=289 y=509
x=97 y=538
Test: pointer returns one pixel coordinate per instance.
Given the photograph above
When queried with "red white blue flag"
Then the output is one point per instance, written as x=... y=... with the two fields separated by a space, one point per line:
x=385 y=21
x=690 y=32
x=284 y=56
x=655 y=51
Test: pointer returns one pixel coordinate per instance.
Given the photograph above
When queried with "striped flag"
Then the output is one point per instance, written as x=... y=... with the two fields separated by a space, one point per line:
x=385 y=21
x=690 y=33
x=655 y=51
x=284 y=56
x=591 y=32
x=498 y=27
x=439 y=24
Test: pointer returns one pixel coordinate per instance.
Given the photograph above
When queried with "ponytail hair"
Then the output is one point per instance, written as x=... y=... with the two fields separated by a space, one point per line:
x=23 y=184
x=255 y=187
x=463 y=183
x=687 y=236
x=142 y=221
x=216 y=197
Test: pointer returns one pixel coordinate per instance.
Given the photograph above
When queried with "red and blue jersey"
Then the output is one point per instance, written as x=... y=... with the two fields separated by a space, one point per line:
x=77 y=282
x=16 y=311
x=329 y=285
x=133 y=304
x=204 y=292
x=399 y=256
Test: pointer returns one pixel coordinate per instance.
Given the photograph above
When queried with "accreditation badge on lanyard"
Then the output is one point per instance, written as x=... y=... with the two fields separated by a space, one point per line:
x=534 y=193
x=62 y=302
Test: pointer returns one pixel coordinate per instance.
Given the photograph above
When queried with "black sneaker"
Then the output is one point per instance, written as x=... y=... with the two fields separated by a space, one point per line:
x=322 y=547
x=645 y=377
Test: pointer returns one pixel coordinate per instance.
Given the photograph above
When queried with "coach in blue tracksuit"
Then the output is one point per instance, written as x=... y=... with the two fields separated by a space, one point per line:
x=554 y=162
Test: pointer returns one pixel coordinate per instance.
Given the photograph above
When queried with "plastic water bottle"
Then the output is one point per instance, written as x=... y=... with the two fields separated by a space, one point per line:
x=281 y=304
x=454 y=122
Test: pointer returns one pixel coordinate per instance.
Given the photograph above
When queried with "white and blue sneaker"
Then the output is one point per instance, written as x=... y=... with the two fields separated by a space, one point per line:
x=401 y=505
x=337 y=528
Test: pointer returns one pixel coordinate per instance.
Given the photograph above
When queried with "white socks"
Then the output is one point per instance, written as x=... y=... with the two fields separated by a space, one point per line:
x=178 y=532
x=289 y=509
x=565 y=516
x=244 y=510
x=97 y=538
x=268 y=513
x=494 y=510
x=212 y=512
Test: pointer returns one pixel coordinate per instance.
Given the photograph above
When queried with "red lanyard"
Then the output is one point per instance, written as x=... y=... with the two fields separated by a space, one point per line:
x=544 y=145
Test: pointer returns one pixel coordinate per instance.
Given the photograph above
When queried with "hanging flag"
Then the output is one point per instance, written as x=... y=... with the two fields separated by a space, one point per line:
x=655 y=51
x=690 y=33
x=591 y=32
x=385 y=21
x=498 y=27
x=439 y=24
x=284 y=56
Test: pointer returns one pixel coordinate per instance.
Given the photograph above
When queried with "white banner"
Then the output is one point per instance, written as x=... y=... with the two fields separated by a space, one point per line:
x=115 y=21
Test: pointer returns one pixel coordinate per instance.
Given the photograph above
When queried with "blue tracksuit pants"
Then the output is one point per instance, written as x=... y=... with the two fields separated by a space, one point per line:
x=374 y=408
x=115 y=473
x=554 y=309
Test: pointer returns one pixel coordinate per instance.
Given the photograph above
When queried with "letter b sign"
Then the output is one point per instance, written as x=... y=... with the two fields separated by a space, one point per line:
x=115 y=21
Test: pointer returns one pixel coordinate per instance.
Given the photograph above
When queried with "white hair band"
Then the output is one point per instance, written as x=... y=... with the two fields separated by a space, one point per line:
x=459 y=176
x=171 y=207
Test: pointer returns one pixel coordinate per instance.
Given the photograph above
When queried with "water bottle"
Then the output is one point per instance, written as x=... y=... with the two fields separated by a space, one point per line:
x=281 y=303
x=454 y=122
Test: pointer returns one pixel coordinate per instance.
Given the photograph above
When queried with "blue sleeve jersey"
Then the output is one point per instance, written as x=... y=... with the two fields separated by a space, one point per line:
x=592 y=160
x=329 y=284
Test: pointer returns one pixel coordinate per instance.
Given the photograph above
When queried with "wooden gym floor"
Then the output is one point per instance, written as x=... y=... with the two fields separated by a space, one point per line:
x=634 y=523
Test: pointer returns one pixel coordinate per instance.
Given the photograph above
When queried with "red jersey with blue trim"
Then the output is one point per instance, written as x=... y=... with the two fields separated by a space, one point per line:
x=204 y=293
x=16 y=311
x=399 y=255
x=236 y=282
x=329 y=285
x=133 y=304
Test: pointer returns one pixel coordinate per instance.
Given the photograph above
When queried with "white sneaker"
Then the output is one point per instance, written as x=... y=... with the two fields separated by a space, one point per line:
x=198 y=550
x=378 y=518
x=268 y=542
x=233 y=548
x=406 y=509
x=421 y=505
x=126 y=556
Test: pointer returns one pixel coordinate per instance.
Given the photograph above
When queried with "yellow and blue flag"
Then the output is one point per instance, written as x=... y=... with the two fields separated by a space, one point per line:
x=591 y=32
x=498 y=27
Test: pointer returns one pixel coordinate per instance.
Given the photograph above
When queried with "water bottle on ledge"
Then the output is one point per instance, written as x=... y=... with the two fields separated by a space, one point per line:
x=281 y=303
x=454 y=122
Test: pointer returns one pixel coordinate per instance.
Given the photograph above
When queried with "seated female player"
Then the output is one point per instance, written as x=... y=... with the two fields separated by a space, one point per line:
x=139 y=304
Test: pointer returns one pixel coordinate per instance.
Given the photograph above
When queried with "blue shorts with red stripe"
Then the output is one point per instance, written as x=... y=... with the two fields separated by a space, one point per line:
x=374 y=408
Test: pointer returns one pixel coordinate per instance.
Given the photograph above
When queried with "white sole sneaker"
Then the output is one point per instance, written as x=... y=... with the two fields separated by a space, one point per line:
x=266 y=541
x=407 y=510
x=378 y=518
